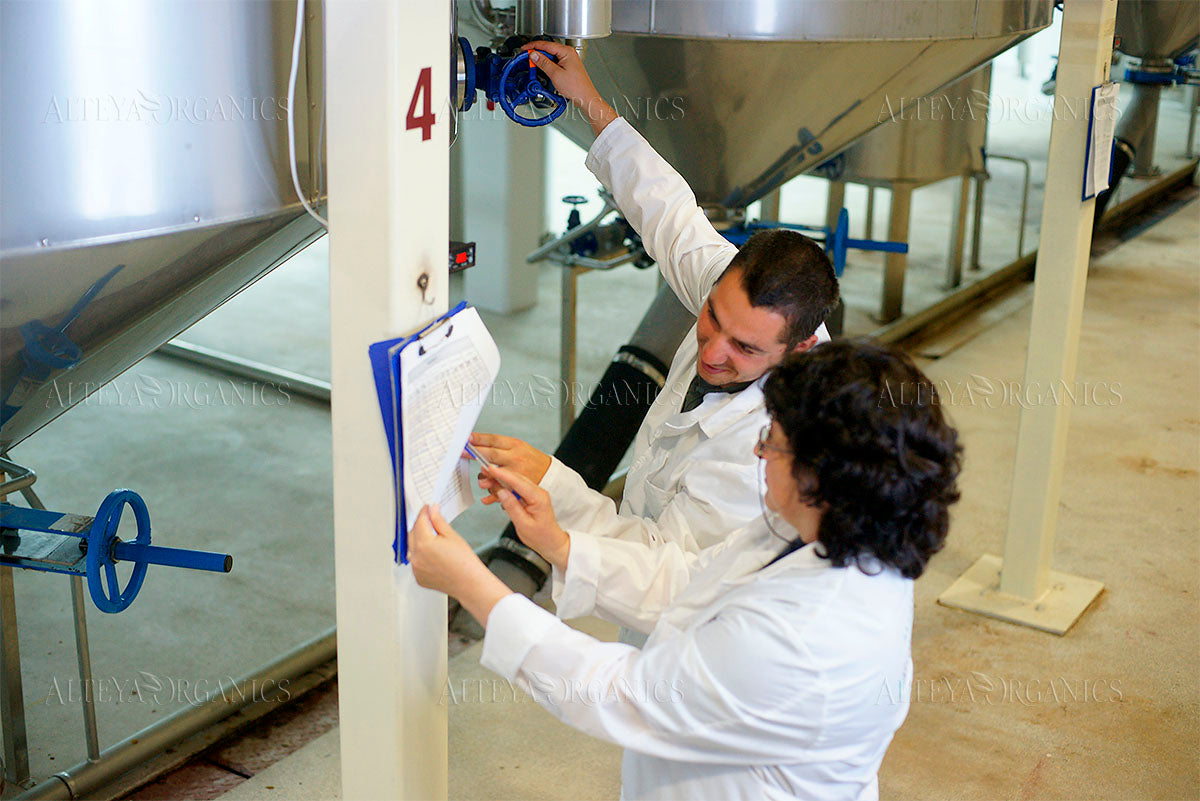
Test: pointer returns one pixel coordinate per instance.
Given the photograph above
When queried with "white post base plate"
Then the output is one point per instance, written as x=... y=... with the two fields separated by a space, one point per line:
x=978 y=590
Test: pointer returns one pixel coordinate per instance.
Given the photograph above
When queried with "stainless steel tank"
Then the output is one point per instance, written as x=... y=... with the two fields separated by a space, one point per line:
x=937 y=137
x=1157 y=29
x=1157 y=32
x=145 y=180
x=741 y=96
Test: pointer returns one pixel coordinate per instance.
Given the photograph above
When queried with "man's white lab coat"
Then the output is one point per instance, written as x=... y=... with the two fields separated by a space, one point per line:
x=694 y=476
x=781 y=682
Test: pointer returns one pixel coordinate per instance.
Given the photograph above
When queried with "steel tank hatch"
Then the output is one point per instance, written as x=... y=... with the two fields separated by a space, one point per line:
x=741 y=96
x=145 y=180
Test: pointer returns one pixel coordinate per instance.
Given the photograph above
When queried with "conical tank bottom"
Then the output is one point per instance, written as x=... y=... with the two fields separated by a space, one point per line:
x=145 y=180
x=739 y=116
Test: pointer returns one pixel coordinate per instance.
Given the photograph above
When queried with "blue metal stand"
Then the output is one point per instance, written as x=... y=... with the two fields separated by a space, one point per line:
x=837 y=240
x=39 y=539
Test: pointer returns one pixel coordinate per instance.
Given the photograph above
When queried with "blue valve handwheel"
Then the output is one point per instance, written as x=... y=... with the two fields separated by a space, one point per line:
x=49 y=347
x=101 y=569
x=532 y=90
x=469 y=90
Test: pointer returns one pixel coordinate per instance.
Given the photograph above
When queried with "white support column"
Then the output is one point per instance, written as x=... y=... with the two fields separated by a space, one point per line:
x=1023 y=589
x=388 y=201
x=499 y=190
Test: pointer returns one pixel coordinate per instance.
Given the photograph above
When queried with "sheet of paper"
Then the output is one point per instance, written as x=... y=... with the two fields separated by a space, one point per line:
x=444 y=383
x=1100 y=139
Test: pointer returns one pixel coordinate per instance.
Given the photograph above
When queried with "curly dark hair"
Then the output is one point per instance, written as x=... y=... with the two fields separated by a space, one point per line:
x=866 y=423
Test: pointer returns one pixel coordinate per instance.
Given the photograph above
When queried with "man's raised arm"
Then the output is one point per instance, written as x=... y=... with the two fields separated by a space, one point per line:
x=654 y=198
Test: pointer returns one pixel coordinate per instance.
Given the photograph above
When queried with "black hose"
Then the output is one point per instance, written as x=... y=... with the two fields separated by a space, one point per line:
x=1122 y=157
x=599 y=437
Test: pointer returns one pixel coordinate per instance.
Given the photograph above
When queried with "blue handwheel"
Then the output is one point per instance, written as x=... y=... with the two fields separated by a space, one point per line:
x=105 y=589
x=469 y=88
x=533 y=90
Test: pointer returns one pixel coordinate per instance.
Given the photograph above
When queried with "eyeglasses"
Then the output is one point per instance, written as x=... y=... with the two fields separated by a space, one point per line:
x=764 y=444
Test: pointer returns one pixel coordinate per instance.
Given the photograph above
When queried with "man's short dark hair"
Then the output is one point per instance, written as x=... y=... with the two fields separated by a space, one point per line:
x=870 y=441
x=790 y=274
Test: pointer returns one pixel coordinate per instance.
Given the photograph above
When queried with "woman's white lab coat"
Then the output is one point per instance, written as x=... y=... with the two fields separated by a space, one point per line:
x=693 y=476
x=781 y=682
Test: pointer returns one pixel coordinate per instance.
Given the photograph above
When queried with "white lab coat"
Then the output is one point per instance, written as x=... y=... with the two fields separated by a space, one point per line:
x=693 y=477
x=782 y=682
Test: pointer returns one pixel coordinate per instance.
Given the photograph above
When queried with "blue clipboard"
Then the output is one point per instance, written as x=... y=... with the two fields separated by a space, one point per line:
x=385 y=364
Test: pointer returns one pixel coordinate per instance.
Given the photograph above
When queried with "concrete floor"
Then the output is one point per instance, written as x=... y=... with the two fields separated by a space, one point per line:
x=1111 y=710
x=253 y=479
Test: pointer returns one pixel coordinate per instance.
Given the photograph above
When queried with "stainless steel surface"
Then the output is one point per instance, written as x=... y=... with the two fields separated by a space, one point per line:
x=570 y=19
x=895 y=264
x=1190 y=149
x=958 y=234
x=869 y=222
x=18 y=477
x=835 y=199
x=1028 y=169
x=567 y=349
x=941 y=135
x=83 y=657
x=977 y=222
x=1157 y=28
x=84 y=779
x=941 y=313
x=741 y=96
x=288 y=381
x=39 y=549
x=152 y=145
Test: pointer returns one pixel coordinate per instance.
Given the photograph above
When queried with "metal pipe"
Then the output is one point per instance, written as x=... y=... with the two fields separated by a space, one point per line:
x=12 y=694
x=977 y=220
x=902 y=329
x=309 y=387
x=1024 y=196
x=958 y=233
x=86 y=777
x=895 y=264
x=576 y=232
x=22 y=477
x=567 y=358
x=12 y=699
x=1022 y=268
x=83 y=655
x=588 y=263
x=869 y=222
x=1190 y=151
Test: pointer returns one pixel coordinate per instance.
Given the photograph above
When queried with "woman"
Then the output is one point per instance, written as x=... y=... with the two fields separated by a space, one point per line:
x=778 y=663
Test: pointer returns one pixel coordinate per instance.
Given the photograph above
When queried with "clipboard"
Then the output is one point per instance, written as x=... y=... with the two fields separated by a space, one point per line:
x=425 y=375
x=1098 y=146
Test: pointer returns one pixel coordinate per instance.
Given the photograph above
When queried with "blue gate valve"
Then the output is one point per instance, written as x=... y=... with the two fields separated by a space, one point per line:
x=836 y=240
x=99 y=549
x=511 y=82
x=47 y=349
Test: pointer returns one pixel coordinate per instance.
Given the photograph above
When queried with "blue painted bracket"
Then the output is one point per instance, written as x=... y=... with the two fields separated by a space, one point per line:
x=98 y=549
x=837 y=240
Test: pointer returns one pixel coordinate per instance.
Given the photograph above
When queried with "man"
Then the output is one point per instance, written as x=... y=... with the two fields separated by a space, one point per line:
x=692 y=479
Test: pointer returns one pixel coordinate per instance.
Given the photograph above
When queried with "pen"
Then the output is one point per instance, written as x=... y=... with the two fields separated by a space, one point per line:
x=483 y=460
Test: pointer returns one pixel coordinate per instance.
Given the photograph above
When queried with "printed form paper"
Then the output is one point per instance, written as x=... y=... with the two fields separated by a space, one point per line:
x=445 y=382
x=1100 y=139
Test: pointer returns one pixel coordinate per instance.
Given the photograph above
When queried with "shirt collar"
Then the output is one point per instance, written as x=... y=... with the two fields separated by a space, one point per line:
x=730 y=409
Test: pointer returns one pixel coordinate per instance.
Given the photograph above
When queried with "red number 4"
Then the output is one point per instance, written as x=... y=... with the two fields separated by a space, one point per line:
x=426 y=120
